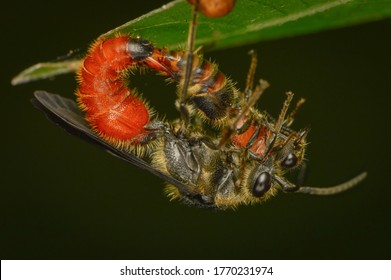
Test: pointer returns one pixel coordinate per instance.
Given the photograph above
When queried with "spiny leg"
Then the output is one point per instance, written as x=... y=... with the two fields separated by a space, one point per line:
x=251 y=96
x=277 y=127
x=281 y=117
x=251 y=73
x=255 y=95
x=289 y=120
x=297 y=136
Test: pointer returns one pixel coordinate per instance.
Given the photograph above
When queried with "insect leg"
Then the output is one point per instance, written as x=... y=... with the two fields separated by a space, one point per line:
x=253 y=98
x=279 y=124
x=289 y=120
x=251 y=73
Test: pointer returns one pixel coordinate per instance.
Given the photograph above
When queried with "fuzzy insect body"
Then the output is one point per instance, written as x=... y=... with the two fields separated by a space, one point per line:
x=112 y=108
x=243 y=159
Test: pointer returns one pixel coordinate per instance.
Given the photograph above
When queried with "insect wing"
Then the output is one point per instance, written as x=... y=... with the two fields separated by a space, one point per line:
x=65 y=113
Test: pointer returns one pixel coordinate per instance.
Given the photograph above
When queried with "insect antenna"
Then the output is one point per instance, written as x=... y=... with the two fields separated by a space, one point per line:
x=334 y=189
x=289 y=187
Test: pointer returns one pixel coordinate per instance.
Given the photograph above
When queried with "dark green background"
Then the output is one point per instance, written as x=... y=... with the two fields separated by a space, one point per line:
x=62 y=198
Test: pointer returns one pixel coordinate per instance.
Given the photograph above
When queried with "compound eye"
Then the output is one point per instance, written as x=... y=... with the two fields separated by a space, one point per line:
x=289 y=161
x=262 y=184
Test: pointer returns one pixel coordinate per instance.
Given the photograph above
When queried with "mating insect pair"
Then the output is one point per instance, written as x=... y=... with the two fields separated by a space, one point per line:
x=222 y=152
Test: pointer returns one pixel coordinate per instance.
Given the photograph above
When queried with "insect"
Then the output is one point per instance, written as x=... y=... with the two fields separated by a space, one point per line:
x=221 y=153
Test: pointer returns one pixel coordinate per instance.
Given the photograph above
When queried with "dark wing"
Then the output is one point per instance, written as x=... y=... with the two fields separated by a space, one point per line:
x=65 y=113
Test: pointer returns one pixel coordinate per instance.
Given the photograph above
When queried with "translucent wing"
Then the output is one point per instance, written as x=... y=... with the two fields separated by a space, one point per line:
x=65 y=113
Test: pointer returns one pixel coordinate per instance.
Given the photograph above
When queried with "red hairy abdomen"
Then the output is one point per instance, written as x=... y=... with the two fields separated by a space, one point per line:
x=110 y=106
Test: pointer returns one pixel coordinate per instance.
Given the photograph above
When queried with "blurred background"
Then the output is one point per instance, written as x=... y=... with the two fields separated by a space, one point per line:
x=62 y=198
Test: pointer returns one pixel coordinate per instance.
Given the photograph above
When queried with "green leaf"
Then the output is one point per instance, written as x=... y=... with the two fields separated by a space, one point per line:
x=45 y=70
x=250 y=21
